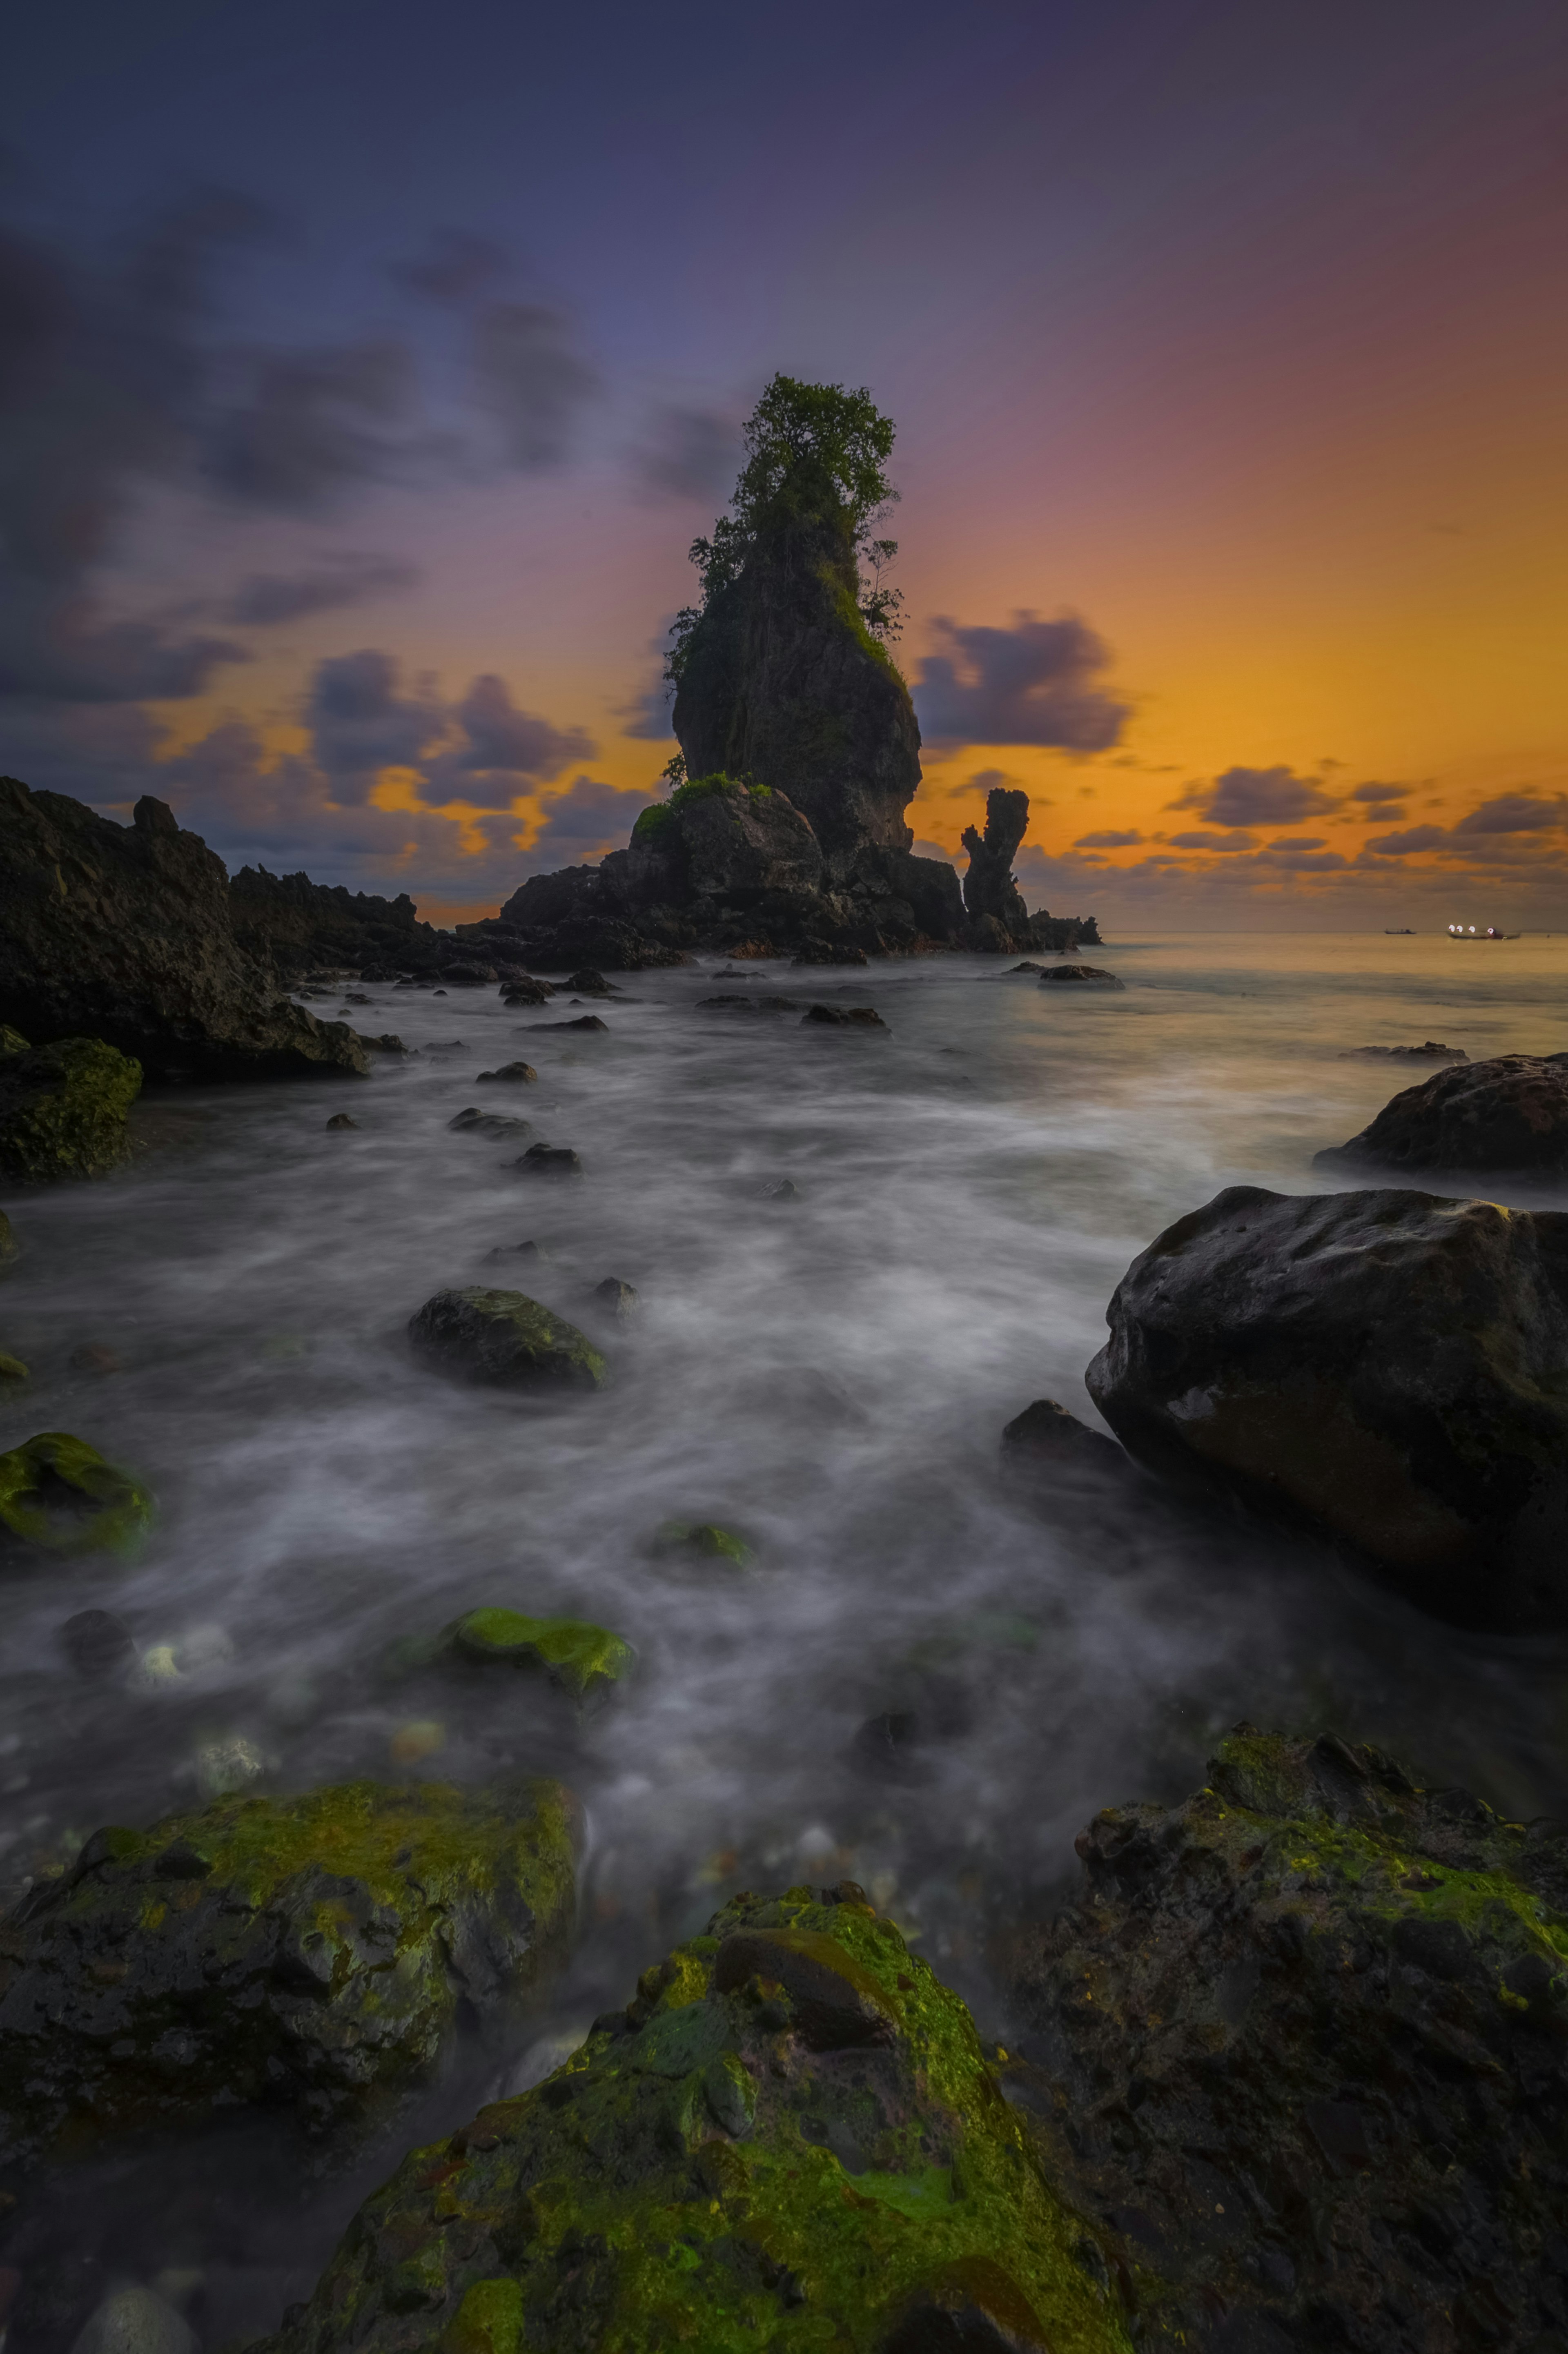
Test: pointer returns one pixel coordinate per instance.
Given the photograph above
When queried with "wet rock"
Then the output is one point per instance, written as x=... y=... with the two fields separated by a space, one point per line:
x=830 y=952
x=791 y=2134
x=311 y=1953
x=699 y=1541
x=63 y=1109
x=553 y=1161
x=584 y=1661
x=615 y=1298
x=1382 y=1368
x=589 y=983
x=500 y=1125
x=1432 y=1052
x=1303 y=2039
x=785 y=1190
x=11 y=1369
x=739 y=1002
x=505 y=1337
x=519 y=1255
x=136 y=2321
x=524 y=989
x=469 y=975
x=1046 y=1444
x=1025 y=967
x=447 y=1046
x=1079 y=976
x=510 y=1075
x=8 y=1244
x=290 y=925
x=58 y=1496
x=136 y=947
x=342 y=1120
x=1508 y=1115
x=389 y=1043
x=864 y=1017
x=583 y=1021
x=98 y=1645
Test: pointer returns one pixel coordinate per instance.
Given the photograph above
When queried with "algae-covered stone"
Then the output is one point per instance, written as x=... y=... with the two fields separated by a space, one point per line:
x=58 y=1496
x=7 y=1239
x=584 y=1660
x=504 y=1336
x=311 y=1953
x=63 y=1110
x=791 y=2139
x=695 y=1540
x=1307 y=2036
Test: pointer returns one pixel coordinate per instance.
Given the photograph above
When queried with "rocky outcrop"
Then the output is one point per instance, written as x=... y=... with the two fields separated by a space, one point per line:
x=291 y=926
x=63 y=1108
x=311 y=1953
x=991 y=898
x=505 y=1337
x=1303 y=2042
x=1384 y=1369
x=790 y=2137
x=1079 y=976
x=123 y=933
x=1509 y=1115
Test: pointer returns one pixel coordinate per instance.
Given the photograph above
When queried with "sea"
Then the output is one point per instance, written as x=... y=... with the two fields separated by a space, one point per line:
x=922 y=1679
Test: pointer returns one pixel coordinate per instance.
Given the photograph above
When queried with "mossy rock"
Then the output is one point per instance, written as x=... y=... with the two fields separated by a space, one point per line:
x=8 y=1244
x=791 y=2139
x=699 y=1541
x=11 y=1369
x=63 y=1110
x=12 y=1044
x=309 y=1953
x=583 y=1659
x=58 y=1496
x=507 y=1338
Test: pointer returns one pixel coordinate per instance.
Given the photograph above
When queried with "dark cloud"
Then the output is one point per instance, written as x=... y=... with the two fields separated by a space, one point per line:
x=1110 y=840
x=532 y=379
x=1400 y=845
x=589 y=817
x=648 y=715
x=360 y=723
x=690 y=453
x=1256 y=797
x=1222 y=841
x=1304 y=858
x=1515 y=814
x=308 y=425
x=1037 y=683
x=1375 y=792
x=505 y=750
x=269 y=598
x=453 y=269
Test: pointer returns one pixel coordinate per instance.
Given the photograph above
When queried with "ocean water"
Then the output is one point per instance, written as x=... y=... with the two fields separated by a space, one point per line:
x=829 y=1376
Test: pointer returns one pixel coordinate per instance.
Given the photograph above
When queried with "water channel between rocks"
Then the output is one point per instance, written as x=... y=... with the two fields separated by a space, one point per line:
x=828 y=1374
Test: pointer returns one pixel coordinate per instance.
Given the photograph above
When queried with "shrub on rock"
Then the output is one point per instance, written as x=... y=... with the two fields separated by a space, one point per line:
x=311 y=1953
x=505 y=1337
x=791 y=2137
x=63 y=1110
x=1382 y=1368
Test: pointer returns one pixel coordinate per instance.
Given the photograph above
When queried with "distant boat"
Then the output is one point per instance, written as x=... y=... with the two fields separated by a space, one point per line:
x=1489 y=932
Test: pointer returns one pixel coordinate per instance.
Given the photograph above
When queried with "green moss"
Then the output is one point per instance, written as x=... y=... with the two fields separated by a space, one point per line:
x=700 y=1541
x=583 y=1659
x=657 y=820
x=746 y=2162
x=11 y=1369
x=58 y=1493
x=12 y=1044
x=63 y=1109
x=7 y=1239
x=488 y=2321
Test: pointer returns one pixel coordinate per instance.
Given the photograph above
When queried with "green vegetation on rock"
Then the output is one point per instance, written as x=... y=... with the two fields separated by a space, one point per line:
x=311 y=1953
x=791 y=2139
x=584 y=1660
x=505 y=1337
x=7 y=1239
x=63 y=1109
x=700 y=1541
x=60 y=1496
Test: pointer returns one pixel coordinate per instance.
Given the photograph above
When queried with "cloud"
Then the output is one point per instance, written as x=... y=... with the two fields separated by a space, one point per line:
x=361 y=723
x=533 y=380
x=1256 y=797
x=1036 y=683
x=1220 y=841
x=690 y=453
x=1108 y=841
x=1400 y=845
x=455 y=268
x=649 y=714
x=506 y=749
x=1515 y=814
x=309 y=424
x=586 y=818
x=1304 y=858
x=1375 y=792
x=269 y=598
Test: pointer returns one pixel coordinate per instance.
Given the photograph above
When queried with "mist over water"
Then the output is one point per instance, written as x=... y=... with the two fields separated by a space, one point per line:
x=829 y=1376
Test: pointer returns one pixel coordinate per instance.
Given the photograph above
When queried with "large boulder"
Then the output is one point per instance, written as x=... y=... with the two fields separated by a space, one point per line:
x=1509 y=1114
x=1304 y=2042
x=312 y=1954
x=506 y=1338
x=292 y=926
x=791 y=2137
x=63 y=1108
x=124 y=933
x=1382 y=1368
x=783 y=683
x=715 y=839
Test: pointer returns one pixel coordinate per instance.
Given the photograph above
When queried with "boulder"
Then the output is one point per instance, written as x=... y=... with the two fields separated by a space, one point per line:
x=1047 y=1445
x=617 y=1299
x=590 y=983
x=499 y=1126
x=511 y=1074
x=59 y=1497
x=1304 y=2041
x=989 y=887
x=584 y=1661
x=63 y=1110
x=730 y=843
x=124 y=934
x=507 y=1338
x=526 y=990
x=1384 y=1368
x=861 y=1017
x=1433 y=1050
x=1509 y=1114
x=1080 y=976
x=555 y=1161
x=312 y=1954
x=790 y=2137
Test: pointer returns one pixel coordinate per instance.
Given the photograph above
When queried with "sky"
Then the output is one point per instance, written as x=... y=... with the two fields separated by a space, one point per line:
x=366 y=372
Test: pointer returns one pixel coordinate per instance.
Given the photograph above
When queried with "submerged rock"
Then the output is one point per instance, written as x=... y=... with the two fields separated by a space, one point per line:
x=583 y=1021
x=311 y=1953
x=505 y=1337
x=1509 y=1114
x=1432 y=1052
x=864 y=1017
x=63 y=1110
x=791 y=2137
x=584 y=1661
x=97 y=1644
x=1382 y=1368
x=1085 y=976
x=619 y=1300
x=512 y=1074
x=695 y=1540
x=125 y=934
x=471 y=1120
x=589 y=983
x=342 y=1120
x=557 y=1160
x=1304 y=2039
x=58 y=1496
x=524 y=989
